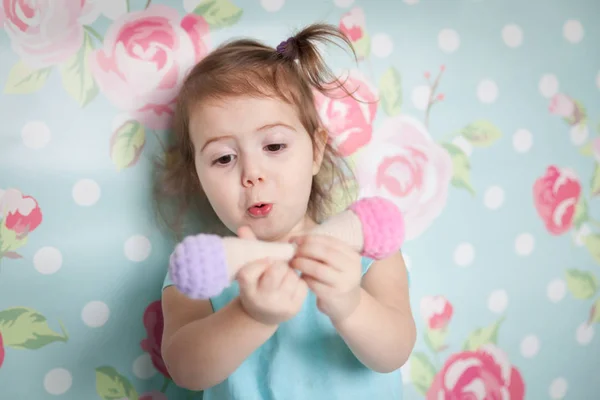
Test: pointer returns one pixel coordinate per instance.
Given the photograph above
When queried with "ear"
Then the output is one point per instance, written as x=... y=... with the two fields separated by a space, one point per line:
x=320 y=140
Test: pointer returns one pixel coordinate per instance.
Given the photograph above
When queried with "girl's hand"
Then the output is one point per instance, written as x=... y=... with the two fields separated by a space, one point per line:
x=332 y=270
x=270 y=291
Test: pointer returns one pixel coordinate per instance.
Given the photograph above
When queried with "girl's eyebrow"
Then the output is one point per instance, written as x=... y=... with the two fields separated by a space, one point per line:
x=260 y=129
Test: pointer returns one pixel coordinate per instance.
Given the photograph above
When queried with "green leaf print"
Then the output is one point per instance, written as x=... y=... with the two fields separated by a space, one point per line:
x=435 y=339
x=25 y=328
x=595 y=312
x=581 y=213
x=76 y=76
x=482 y=336
x=126 y=144
x=111 y=385
x=592 y=242
x=9 y=240
x=362 y=46
x=595 y=181
x=481 y=133
x=582 y=284
x=219 y=13
x=461 y=177
x=23 y=80
x=390 y=88
x=422 y=372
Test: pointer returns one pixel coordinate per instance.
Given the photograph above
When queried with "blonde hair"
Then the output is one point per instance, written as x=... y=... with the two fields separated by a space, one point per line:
x=247 y=67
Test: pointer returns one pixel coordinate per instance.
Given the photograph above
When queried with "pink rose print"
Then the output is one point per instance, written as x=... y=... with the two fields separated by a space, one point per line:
x=562 y=105
x=596 y=148
x=484 y=374
x=1 y=350
x=436 y=311
x=153 y=396
x=349 y=122
x=404 y=164
x=153 y=322
x=21 y=213
x=145 y=58
x=353 y=24
x=46 y=32
x=555 y=196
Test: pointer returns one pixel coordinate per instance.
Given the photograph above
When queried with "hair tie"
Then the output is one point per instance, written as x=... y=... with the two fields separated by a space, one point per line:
x=283 y=46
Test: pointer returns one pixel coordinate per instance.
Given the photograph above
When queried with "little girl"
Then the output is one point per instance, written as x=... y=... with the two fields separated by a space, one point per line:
x=327 y=325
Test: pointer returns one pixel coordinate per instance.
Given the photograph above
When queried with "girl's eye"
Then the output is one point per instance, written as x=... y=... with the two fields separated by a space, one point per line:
x=224 y=160
x=275 y=147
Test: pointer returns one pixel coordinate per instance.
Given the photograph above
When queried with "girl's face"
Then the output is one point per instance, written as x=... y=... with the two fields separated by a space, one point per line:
x=256 y=163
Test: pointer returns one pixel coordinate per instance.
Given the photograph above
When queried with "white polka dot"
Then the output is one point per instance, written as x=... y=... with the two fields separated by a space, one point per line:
x=343 y=3
x=558 y=388
x=420 y=97
x=512 y=35
x=548 y=85
x=463 y=144
x=95 y=314
x=86 y=192
x=272 y=5
x=522 y=140
x=530 y=346
x=115 y=9
x=524 y=244
x=487 y=91
x=573 y=31
x=498 y=301
x=585 y=333
x=464 y=254
x=598 y=80
x=188 y=5
x=57 y=381
x=448 y=40
x=137 y=248
x=143 y=368
x=493 y=197
x=35 y=135
x=407 y=262
x=47 y=260
x=382 y=45
x=405 y=370
x=411 y=2
x=579 y=134
x=556 y=290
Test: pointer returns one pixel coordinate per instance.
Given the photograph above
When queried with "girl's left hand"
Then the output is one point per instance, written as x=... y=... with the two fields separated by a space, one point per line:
x=332 y=270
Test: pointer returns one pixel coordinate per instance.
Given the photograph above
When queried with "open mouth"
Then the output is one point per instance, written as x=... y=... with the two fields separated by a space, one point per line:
x=260 y=209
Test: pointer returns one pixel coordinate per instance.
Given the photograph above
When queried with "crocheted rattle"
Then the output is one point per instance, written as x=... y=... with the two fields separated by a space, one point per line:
x=202 y=265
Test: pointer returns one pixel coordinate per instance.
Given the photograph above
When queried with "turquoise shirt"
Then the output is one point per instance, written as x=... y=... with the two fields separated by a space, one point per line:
x=305 y=359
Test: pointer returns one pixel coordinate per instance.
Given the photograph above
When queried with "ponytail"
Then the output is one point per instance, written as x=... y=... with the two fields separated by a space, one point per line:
x=302 y=48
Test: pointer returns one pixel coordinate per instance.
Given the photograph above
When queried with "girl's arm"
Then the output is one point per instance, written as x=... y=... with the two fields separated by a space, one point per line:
x=381 y=331
x=201 y=348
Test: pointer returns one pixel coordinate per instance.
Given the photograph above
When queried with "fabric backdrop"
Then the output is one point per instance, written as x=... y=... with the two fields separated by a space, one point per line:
x=486 y=134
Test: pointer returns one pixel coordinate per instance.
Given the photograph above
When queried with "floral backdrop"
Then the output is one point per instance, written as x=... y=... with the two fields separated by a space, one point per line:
x=486 y=133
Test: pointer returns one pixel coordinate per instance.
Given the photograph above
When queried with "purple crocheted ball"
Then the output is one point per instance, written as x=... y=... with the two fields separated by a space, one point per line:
x=383 y=226
x=198 y=266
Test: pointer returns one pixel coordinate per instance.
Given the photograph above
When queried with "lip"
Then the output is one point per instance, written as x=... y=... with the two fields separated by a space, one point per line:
x=260 y=209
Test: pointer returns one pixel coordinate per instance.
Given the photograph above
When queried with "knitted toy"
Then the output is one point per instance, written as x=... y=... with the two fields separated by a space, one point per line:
x=203 y=265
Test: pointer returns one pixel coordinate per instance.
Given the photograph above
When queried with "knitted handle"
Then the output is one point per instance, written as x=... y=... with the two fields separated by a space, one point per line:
x=382 y=226
x=201 y=266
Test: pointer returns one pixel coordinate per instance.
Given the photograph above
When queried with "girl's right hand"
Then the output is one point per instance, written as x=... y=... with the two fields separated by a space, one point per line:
x=271 y=292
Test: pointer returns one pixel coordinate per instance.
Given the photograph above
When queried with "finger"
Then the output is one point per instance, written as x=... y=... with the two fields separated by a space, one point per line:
x=300 y=292
x=273 y=276
x=289 y=282
x=250 y=273
x=315 y=269
x=318 y=288
x=245 y=232
x=320 y=248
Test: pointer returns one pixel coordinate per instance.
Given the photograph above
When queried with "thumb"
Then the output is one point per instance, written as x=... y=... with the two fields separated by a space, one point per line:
x=245 y=232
